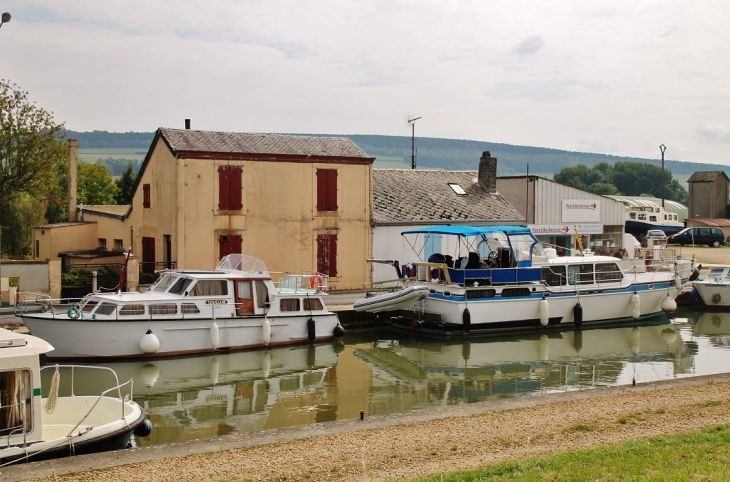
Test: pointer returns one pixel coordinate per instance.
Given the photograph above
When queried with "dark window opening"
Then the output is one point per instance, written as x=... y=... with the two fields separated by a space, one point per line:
x=327 y=254
x=230 y=188
x=326 y=189
x=146 y=190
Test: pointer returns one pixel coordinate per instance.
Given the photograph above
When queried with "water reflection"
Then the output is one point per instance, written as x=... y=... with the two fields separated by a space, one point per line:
x=378 y=372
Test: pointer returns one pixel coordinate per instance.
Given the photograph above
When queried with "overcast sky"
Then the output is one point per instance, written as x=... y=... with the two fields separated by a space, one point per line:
x=613 y=77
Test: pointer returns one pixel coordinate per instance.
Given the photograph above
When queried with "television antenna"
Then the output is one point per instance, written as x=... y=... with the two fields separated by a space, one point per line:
x=412 y=123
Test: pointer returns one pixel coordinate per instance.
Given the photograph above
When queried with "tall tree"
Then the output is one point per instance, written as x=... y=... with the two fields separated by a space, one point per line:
x=95 y=185
x=126 y=185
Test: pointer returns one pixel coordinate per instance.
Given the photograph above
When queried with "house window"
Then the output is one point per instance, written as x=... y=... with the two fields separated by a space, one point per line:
x=101 y=243
x=327 y=254
x=230 y=188
x=229 y=244
x=146 y=190
x=326 y=189
x=118 y=244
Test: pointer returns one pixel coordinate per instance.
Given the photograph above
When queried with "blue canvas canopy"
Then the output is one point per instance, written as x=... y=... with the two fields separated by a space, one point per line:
x=470 y=230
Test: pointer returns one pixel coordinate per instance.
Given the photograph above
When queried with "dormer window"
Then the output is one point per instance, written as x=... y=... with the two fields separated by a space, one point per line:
x=457 y=189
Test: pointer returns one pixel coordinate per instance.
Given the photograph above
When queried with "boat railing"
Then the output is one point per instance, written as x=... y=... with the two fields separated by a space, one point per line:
x=303 y=282
x=442 y=273
x=29 y=302
x=124 y=391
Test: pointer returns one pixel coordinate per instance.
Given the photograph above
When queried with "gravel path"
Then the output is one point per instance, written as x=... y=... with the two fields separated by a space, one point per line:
x=445 y=441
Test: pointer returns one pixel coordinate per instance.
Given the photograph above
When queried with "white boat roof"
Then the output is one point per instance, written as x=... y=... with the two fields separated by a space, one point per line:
x=15 y=344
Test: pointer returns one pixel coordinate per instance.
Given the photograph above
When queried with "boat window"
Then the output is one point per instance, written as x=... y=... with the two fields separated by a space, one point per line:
x=244 y=289
x=210 y=287
x=262 y=294
x=311 y=304
x=554 y=275
x=716 y=273
x=16 y=395
x=188 y=308
x=163 y=283
x=106 y=309
x=132 y=310
x=512 y=292
x=608 y=272
x=289 y=304
x=632 y=215
x=471 y=294
x=653 y=219
x=522 y=246
x=642 y=217
x=180 y=286
x=89 y=306
x=163 y=309
x=580 y=273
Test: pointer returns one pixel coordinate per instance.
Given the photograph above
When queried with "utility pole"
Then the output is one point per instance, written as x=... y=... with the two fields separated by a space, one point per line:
x=662 y=148
x=412 y=122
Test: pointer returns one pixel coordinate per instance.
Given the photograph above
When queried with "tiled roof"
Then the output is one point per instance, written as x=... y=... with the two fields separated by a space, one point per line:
x=406 y=195
x=242 y=143
x=715 y=222
x=705 y=176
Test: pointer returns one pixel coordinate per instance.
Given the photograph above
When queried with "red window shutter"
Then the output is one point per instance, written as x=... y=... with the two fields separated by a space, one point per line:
x=331 y=189
x=327 y=254
x=235 y=243
x=224 y=188
x=222 y=246
x=235 y=177
x=146 y=192
x=321 y=190
x=229 y=244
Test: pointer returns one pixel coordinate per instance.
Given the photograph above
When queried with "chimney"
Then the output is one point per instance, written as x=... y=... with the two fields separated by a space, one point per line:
x=73 y=144
x=488 y=172
x=187 y=124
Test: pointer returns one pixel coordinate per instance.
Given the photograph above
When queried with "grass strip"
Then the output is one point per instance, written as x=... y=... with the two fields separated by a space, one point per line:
x=702 y=455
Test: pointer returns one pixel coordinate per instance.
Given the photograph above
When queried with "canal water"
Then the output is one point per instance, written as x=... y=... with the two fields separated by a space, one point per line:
x=381 y=372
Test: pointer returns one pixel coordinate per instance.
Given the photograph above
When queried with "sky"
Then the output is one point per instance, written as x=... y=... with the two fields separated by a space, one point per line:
x=611 y=77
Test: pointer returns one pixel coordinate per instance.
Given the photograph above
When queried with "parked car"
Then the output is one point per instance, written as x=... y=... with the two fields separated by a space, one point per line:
x=710 y=236
x=656 y=235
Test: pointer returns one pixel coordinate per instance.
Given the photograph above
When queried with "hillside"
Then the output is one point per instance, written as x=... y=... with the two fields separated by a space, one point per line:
x=395 y=152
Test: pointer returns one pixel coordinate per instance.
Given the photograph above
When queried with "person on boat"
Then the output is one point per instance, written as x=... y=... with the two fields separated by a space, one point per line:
x=619 y=254
x=648 y=258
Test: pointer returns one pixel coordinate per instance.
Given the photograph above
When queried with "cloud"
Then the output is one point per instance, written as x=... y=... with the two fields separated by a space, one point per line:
x=529 y=46
x=713 y=134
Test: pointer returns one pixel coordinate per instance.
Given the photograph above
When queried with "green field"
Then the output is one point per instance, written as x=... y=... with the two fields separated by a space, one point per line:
x=94 y=154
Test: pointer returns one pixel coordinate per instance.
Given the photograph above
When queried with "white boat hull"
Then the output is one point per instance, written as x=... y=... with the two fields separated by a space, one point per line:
x=76 y=339
x=394 y=300
x=714 y=293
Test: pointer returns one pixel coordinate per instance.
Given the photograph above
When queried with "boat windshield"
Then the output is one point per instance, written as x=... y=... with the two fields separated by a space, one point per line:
x=525 y=247
x=242 y=262
x=163 y=283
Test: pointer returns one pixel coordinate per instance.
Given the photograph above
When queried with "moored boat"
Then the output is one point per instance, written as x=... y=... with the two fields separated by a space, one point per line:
x=35 y=427
x=501 y=278
x=235 y=306
x=714 y=289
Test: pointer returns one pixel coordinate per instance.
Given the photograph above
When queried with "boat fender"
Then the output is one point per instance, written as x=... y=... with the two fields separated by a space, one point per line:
x=578 y=314
x=668 y=304
x=544 y=312
x=311 y=329
x=266 y=331
x=149 y=343
x=678 y=282
x=695 y=274
x=215 y=340
x=466 y=319
x=74 y=311
x=143 y=429
x=339 y=332
x=635 y=306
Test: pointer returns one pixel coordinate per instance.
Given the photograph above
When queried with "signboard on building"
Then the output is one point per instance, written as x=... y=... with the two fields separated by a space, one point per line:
x=581 y=211
x=565 y=229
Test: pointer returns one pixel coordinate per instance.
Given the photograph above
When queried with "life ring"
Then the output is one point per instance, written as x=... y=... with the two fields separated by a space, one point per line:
x=406 y=272
x=74 y=311
x=662 y=247
x=315 y=281
x=435 y=274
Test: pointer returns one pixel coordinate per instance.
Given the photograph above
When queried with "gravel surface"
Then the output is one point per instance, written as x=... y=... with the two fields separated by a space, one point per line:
x=487 y=433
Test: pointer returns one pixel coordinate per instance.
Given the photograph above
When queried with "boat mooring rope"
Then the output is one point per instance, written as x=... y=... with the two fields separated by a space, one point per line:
x=53 y=392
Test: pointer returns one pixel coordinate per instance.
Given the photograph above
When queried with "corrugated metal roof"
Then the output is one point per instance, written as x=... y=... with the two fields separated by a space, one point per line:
x=407 y=195
x=244 y=143
x=714 y=222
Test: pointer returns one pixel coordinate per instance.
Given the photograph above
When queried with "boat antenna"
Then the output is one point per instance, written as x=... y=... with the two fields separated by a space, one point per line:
x=123 y=276
x=662 y=148
x=412 y=123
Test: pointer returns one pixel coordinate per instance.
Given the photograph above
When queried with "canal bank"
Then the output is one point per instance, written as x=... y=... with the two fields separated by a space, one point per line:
x=417 y=443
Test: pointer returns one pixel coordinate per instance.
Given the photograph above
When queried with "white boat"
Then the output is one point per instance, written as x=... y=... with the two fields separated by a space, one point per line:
x=397 y=299
x=715 y=288
x=33 y=427
x=500 y=278
x=235 y=306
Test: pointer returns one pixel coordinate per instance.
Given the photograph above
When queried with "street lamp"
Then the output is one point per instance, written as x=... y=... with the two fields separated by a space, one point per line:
x=5 y=18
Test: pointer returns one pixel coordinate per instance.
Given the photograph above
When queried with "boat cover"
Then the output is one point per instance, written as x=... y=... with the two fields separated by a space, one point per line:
x=470 y=230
